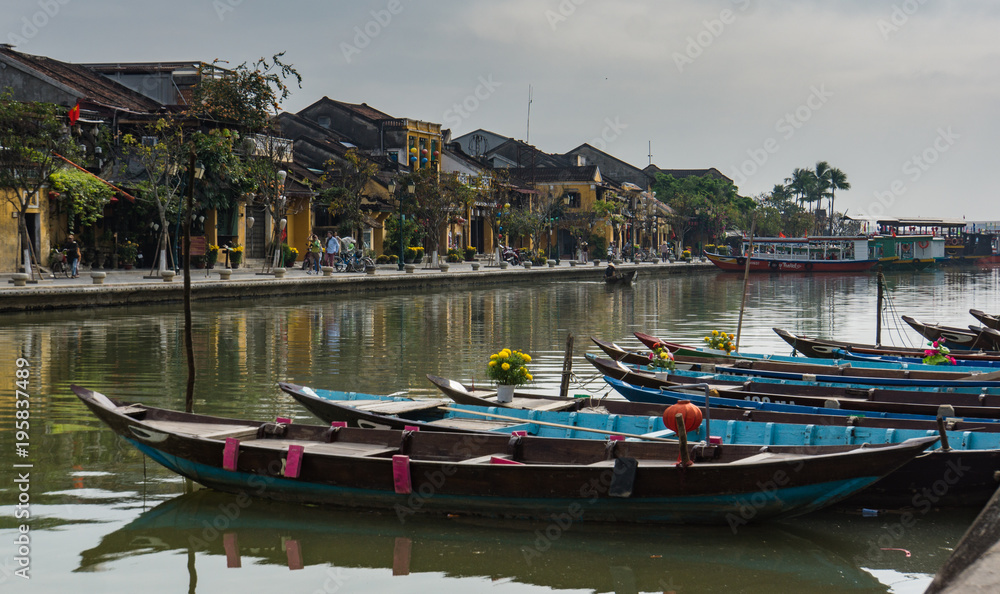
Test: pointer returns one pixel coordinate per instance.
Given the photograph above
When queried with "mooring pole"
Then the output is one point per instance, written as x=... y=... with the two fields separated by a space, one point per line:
x=878 y=313
x=746 y=282
x=567 y=367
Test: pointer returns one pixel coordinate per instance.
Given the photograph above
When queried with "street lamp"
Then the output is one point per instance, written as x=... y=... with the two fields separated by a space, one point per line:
x=392 y=192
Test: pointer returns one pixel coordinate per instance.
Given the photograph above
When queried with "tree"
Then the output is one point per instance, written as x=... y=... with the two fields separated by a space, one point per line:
x=703 y=204
x=439 y=197
x=345 y=188
x=838 y=181
x=31 y=134
x=803 y=184
x=248 y=98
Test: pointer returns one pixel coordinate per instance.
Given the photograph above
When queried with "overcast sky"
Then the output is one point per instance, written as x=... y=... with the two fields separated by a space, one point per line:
x=901 y=95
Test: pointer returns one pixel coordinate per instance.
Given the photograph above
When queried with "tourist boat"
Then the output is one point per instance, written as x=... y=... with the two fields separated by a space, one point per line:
x=807 y=254
x=496 y=475
x=910 y=402
x=988 y=320
x=968 y=339
x=821 y=348
x=906 y=252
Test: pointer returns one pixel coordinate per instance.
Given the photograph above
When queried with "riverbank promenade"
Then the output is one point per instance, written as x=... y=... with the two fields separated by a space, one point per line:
x=113 y=288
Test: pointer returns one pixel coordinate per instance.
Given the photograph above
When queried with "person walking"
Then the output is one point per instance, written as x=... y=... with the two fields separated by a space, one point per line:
x=72 y=255
x=328 y=249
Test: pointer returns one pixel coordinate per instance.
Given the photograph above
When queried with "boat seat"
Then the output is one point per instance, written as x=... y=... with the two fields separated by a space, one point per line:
x=766 y=457
x=395 y=408
x=485 y=459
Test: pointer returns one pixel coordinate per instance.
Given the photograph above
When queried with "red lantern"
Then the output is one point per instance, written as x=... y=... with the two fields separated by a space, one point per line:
x=690 y=413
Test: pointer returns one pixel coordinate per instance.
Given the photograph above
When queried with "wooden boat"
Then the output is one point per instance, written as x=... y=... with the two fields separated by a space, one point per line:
x=846 y=359
x=806 y=254
x=957 y=338
x=978 y=452
x=988 y=320
x=476 y=396
x=901 y=488
x=495 y=475
x=821 y=348
x=622 y=278
x=979 y=406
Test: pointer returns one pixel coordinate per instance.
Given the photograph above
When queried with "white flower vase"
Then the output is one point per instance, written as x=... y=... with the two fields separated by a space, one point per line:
x=505 y=393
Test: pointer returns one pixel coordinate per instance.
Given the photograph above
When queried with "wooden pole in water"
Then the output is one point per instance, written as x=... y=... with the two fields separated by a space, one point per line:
x=746 y=281
x=880 y=280
x=188 y=336
x=682 y=437
x=567 y=367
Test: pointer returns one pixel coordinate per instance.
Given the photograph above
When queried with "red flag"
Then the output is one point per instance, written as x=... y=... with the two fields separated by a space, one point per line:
x=74 y=114
x=780 y=234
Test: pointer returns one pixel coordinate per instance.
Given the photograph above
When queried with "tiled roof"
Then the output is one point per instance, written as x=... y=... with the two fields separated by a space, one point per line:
x=587 y=173
x=90 y=85
x=362 y=109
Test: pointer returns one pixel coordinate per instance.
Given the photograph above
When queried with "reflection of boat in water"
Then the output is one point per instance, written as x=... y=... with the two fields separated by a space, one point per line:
x=255 y=533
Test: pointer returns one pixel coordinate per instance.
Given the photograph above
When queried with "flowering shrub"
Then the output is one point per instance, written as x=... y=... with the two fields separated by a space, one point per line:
x=661 y=358
x=509 y=367
x=721 y=341
x=128 y=252
x=938 y=354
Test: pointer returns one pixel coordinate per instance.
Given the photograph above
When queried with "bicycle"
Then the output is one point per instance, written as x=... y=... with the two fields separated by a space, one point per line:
x=59 y=264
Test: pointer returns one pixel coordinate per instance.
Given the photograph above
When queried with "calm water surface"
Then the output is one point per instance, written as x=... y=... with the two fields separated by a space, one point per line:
x=102 y=519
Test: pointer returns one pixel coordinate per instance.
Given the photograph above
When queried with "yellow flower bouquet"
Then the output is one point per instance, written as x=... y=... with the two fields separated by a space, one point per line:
x=509 y=368
x=721 y=341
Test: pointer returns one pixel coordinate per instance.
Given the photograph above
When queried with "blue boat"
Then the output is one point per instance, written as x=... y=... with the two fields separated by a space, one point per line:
x=978 y=453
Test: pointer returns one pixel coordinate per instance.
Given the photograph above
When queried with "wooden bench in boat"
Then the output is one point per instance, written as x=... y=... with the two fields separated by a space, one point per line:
x=474 y=424
x=395 y=408
x=485 y=459
x=205 y=430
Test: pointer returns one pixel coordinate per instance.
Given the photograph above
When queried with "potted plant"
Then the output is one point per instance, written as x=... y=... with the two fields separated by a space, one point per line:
x=720 y=341
x=508 y=369
x=419 y=256
x=129 y=253
x=235 y=256
x=409 y=255
x=686 y=255
x=211 y=255
x=289 y=255
x=470 y=254
x=661 y=360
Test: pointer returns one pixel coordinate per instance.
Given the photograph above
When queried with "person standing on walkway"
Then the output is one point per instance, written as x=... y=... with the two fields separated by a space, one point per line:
x=72 y=255
x=315 y=249
x=333 y=248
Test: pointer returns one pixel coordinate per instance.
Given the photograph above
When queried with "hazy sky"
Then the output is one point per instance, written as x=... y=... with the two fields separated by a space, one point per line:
x=901 y=95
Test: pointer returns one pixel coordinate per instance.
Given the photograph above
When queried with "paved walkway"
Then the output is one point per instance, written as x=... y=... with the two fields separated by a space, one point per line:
x=131 y=287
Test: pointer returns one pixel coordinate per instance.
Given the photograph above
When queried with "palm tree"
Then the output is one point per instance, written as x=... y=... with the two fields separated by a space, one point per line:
x=803 y=183
x=822 y=173
x=838 y=181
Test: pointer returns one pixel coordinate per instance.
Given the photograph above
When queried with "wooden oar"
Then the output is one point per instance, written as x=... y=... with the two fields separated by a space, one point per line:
x=557 y=425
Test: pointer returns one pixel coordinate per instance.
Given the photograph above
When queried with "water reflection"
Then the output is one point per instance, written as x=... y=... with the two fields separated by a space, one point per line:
x=224 y=531
x=85 y=480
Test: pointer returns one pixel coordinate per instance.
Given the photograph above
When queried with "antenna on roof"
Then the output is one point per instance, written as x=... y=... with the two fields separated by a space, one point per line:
x=650 y=152
x=527 y=132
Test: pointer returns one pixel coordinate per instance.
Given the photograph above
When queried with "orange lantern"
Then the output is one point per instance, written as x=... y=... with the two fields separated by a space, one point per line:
x=690 y=413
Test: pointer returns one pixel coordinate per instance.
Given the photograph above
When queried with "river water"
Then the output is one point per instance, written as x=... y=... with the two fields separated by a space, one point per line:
x=104 y=519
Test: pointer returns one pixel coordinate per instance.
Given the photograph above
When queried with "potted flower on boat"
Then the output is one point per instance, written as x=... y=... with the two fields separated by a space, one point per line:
x=720 y=341
x=938 y=354
x=508 y=369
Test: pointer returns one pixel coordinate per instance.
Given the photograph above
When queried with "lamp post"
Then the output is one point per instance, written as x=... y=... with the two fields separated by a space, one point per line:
x=411 y=188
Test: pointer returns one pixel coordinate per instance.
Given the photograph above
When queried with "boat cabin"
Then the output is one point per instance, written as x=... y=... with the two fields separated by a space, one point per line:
x=808 y=248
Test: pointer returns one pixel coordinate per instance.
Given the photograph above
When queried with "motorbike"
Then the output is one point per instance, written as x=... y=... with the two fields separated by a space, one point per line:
x=507 y=254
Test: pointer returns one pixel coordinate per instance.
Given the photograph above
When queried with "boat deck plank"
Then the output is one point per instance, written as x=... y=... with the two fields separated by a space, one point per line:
x=395 y=408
